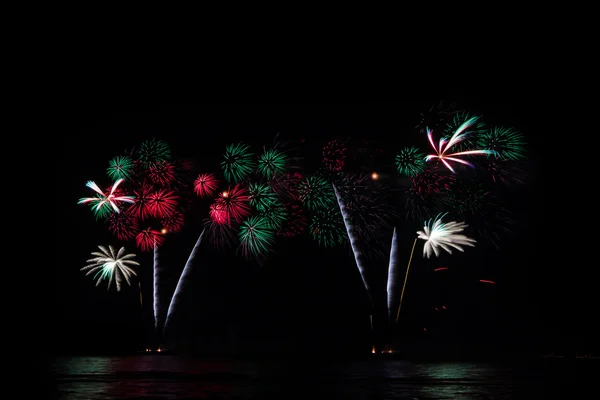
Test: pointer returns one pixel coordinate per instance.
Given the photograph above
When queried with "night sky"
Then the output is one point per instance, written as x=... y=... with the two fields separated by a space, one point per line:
x=305 y=297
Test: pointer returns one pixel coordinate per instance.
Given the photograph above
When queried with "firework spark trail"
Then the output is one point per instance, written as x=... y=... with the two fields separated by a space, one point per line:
x=358 y=255
x=392 y=273
x=183 y=278
x=156 y=299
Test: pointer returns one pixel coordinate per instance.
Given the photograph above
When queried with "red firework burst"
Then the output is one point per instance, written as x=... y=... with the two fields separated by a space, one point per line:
x=123 y=225
x=234 y=202
x=147 y=238
x=173 y=221
x=428 y=182
x=161 y=173
x=218 y=214
x=295 y=222
x=334 y=155
x=162 y=202
x=141 y=207
x=206 y=185
x=286 y=185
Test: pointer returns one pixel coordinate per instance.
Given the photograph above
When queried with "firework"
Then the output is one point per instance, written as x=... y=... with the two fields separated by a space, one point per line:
x=206 y=185
x=334 y=155
x=153 y=151
x=162 y=202
x=120 y=167
x=286 y=185
x=507 y=143
x=148 y=238
x=441 y=151
x=256 y=237
x=354 y=242
x=275 y=215
x=436 y=117
x=295 y=223
x=104 y=204
x=437 y=234
x=475 y=128
x=233 y=203
x=172 y=221
x=123 y=225
x=155 y=267
x=110 y=264
x=327 y=228
x=219 y=233
x=392 y=273
x=141 y=206
x=271 y=162
x=315 y=192
x=445 y=235
x=410 y=161
x=161 y=173
x=261 y=196
x=182 y=279
x=238 y=163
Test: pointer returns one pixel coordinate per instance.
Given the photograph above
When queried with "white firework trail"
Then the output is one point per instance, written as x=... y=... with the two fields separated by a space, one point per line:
x=392 y=278
x=183 y=278
x=358 y=254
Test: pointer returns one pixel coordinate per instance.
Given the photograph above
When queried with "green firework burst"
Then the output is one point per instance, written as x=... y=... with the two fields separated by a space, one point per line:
x=261 y=196
x=153 y=151
x=410 y=161
x=256 y=237
x=508 y=143
x=270 y=162
x=327 y=227
x=316 y=193
x=120 y=167
x=275 y=215
x=238 y=162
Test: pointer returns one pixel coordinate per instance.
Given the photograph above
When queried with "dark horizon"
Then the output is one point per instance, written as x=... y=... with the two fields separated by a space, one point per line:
x=306 y=297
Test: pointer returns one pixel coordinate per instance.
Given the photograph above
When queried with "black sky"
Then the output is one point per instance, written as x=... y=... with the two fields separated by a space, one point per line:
x=305 y=296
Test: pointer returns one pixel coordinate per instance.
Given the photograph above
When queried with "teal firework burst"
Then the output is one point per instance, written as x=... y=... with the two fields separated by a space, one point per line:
x=256 y=237
x=316 y=193
x=153 y=151
x=476 y=128
x=238 y=162
x=507 y=143
x=270 y=162
x=275 y=215
x=120 y=167
x=327 y=227
x=410 y=161
x=261 y=196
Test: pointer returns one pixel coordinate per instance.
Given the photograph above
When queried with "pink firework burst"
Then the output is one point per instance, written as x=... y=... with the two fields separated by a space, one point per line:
x=442 y=150
x=162 y=202
x=123 y=225
x=162 y=173
x=235 y=202
x=206 y=185
x=218 y=214
x=147 y=238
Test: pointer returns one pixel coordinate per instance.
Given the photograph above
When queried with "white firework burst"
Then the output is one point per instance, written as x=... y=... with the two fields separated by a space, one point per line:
x=445 y=235
x=112 y=265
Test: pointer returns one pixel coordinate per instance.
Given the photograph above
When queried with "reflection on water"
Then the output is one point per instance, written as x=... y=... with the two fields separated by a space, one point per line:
x=169 y=376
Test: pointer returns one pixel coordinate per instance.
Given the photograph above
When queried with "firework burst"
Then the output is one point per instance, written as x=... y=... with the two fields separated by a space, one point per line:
x=507 y=143
x=104 y=204
x=120 y=167
x=112 y=265
x=410 y=161
x=442 y=149
x=271 y=162
x=256 y=237
x=238 y=162
x=206 y=185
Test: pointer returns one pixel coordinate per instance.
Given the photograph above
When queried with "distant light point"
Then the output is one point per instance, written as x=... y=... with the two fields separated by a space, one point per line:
x=374 y=176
